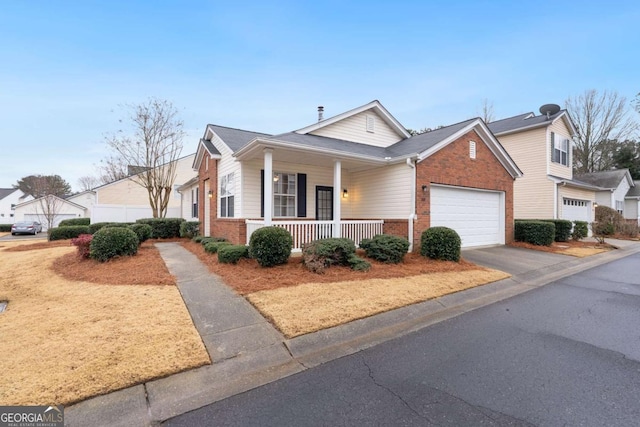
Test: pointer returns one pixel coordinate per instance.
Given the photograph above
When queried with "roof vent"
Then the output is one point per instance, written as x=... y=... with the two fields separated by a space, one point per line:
x=549 y=110
x=320 y=113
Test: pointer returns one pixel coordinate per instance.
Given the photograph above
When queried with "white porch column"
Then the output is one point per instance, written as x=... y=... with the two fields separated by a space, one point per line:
x=268 y=186
x=337 y=198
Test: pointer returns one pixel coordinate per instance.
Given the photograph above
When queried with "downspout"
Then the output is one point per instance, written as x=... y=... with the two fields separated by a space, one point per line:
x=412 y=215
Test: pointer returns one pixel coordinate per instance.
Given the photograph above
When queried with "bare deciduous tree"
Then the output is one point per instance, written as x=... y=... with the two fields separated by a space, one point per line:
x=601 y=120
x=112 y=169
x=48 y=209
x=486 y=111
x=153 y=148
x=88 y=182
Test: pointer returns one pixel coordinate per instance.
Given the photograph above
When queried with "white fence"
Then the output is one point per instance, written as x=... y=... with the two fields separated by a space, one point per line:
x=124 y=213
x=307 y=231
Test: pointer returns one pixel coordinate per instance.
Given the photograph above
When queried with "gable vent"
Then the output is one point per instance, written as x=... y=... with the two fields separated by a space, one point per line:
x=371 y=124
x=472 y=149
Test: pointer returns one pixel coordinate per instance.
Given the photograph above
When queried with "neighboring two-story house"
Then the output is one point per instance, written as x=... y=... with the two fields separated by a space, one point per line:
x=541 y=146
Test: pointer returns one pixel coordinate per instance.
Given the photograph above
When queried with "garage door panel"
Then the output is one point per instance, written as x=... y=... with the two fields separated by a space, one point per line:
x=474 y=214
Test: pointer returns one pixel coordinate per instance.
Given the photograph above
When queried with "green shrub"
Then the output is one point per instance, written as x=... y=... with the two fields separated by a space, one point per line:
x=74 y=221
x=198 y=238
x=5 y=228
x=541 y=233
x=231 y=254
x=163 y=228
x=323 y=253
x=98 y=225
x=64 y=233
x=385 y=248
x=440 y=243
x=270 y=246
x=358 y=264
x=110 y=242
x=205 y=240
x=143 y=231
x=563 y=229
x=189 y=229
x=580 y=230
x=213 y=247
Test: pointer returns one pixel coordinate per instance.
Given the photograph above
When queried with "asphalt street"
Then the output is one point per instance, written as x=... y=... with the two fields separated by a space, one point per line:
x=564 y=354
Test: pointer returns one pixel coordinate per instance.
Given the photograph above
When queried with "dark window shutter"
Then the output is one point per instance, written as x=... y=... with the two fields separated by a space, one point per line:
x=302 y=195
x=261 y=193
x=553 y=157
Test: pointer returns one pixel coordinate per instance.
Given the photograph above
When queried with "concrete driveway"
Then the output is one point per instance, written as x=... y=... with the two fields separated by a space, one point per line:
x=10 y=238
x=513 y=260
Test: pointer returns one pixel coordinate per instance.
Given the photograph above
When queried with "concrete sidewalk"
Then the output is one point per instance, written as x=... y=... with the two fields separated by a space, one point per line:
x=247 y=352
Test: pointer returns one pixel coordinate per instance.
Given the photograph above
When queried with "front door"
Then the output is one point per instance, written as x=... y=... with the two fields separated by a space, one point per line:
x=324 y=203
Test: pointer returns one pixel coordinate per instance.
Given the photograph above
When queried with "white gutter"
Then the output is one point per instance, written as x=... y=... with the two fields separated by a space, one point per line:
x=412 y=215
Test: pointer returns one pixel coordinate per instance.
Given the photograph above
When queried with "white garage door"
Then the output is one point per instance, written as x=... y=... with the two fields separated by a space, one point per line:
x=476 y=215
x=576 y=210
x=42 y=220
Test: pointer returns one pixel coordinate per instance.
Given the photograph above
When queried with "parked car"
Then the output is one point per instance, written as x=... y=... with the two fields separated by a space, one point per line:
x=26 y=227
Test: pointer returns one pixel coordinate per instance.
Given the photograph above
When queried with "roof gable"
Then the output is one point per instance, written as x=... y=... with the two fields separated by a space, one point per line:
x=374 y=108
x=4 y=192
x=234 y=139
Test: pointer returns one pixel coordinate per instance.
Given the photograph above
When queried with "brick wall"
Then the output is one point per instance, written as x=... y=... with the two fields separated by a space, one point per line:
x=453 y=166
x=207 y=173
x=396 y=227
x=234 y=230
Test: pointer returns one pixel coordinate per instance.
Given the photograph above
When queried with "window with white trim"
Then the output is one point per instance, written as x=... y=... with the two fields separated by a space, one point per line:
x=620 y=206
x=226 y=196
x=194 y=202
x=284 y=194
x=560 y=149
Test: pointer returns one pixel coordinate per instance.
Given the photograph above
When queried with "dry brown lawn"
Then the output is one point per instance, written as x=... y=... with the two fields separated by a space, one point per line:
x=310 y=307
x=66 y=340
x=578 y=249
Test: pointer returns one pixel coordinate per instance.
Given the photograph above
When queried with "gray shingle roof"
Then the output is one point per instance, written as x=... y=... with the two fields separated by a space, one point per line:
x=235 y=138
x=424 y=141
x=634 y=191
x=210 y=147
x=521 y=121
x=4 y=192
x=605 y=179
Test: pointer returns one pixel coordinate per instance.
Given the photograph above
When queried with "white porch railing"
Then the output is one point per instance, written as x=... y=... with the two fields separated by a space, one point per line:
x=307 y=231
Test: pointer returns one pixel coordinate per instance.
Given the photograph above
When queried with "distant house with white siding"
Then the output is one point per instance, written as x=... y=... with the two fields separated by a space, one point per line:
x=354 y=175
x=614 y=187
x=9 y=199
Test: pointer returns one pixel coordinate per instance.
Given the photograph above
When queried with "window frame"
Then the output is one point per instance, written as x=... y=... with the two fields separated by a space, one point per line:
x=195 y=202
x=289 y=195
x=561 y=148
x=227 y=196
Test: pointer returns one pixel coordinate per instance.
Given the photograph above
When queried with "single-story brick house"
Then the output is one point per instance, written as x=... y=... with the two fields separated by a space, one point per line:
x=354 y=175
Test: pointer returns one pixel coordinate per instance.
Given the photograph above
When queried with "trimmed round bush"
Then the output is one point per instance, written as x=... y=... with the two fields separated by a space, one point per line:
x=270 y=246
x=580 y=230
x=213 y=247
x=231 y=254
x=385 y=248
x=541 y=233
x=143 y=231
x=189 y=229
x=204 y=240
x=358 y=264
x=98 y=225
x=441 y=243
x=111 y=242
x=74 y=221
x=70 y=232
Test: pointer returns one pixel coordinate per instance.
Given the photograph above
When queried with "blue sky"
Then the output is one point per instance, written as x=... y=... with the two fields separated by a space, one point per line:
x=67 y=66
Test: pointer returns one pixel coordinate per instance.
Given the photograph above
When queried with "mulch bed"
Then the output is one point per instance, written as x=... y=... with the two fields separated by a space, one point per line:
x=562 y=246
x=247 y=276
x=145 y=268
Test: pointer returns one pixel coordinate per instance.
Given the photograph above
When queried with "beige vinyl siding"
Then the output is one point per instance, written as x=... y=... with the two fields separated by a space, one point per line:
x=316 y=176
x=533 y=193
x=575 y=193
x=382 y=193
x=556 y=169
x=354 y=129
x=127 y=192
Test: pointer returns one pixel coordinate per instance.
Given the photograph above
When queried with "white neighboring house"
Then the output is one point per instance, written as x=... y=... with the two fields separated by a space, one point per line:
x=53 y=209
x=615 y=185
x=9 y=199
x=126 y=201
x=632 y=202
